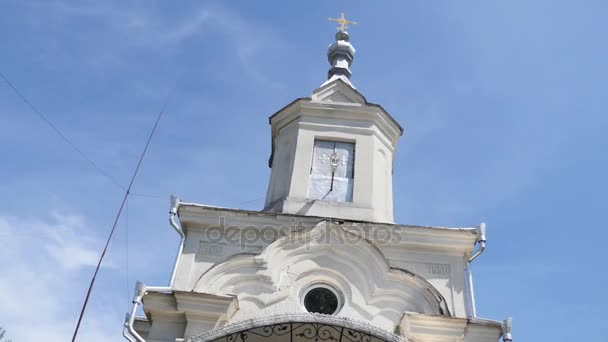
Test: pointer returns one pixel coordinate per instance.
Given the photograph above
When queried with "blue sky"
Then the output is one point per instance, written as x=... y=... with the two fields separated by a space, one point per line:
x=503 y=104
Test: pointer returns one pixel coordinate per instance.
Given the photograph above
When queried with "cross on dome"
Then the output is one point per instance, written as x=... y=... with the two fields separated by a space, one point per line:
x=342 y=21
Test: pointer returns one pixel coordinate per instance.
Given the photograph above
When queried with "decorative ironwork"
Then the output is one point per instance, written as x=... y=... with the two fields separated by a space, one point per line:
x=357 y=336
x=319 y=332
x=299 y=327
x=265 y=331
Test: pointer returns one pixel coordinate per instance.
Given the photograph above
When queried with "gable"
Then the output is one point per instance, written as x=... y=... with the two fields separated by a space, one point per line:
x=337 y=96
x=337 y=91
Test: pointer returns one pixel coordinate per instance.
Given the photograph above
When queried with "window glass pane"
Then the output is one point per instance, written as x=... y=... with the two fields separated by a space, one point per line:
x=321 y=185
x=321 y=300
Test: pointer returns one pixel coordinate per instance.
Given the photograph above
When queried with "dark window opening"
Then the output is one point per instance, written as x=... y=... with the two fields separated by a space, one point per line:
x=321 y=300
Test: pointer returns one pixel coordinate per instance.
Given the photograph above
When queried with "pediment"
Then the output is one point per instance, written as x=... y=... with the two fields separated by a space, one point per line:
x=272 y=281
x=338 y=91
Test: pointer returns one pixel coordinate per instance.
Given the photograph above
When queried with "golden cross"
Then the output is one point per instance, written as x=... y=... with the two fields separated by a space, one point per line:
x=342 y=21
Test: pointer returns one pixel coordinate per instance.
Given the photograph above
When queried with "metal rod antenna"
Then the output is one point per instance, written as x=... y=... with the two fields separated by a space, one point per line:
x=122 y=205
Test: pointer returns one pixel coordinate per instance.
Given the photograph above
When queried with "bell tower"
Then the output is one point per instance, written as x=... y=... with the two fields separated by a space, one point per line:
x=332 y=153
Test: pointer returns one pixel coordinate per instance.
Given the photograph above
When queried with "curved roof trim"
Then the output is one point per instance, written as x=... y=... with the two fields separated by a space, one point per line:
x=313 y=318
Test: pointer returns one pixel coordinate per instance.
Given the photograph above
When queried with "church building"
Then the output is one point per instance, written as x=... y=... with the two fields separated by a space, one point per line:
x=323 y=261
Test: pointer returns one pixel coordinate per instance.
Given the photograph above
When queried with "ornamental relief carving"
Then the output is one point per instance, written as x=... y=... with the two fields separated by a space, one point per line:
x=274 y=280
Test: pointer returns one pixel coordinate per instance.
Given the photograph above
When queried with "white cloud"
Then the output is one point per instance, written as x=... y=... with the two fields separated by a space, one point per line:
x=189 y=27
x=44 y=269
x=127 y=30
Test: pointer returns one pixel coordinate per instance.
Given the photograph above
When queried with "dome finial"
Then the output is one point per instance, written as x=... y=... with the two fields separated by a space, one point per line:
x=341 y=53
x=342 y=21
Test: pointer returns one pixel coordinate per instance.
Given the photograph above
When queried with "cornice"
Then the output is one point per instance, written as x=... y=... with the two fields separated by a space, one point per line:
x=304 y=108
x=193 y=304
x=427 y=238
x=429 y=328
x=196 y=304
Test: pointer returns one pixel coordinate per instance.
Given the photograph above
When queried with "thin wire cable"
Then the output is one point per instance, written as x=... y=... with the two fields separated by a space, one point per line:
x=63 y=136
x=122 y=205
x=253 y=200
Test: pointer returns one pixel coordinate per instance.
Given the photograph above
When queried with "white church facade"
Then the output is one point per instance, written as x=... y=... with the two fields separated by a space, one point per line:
x=323 y=261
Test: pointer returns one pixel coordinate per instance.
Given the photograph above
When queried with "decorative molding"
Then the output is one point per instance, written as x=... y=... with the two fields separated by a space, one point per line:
x=204 y=304
x=195 y=310
x=438 y=270
x=382 y=292
x=200 y=217
x=307 y=109
x=213 y=249
x=428 y=328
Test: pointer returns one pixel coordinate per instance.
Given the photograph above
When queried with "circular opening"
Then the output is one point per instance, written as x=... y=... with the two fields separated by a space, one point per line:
x=321 y=300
